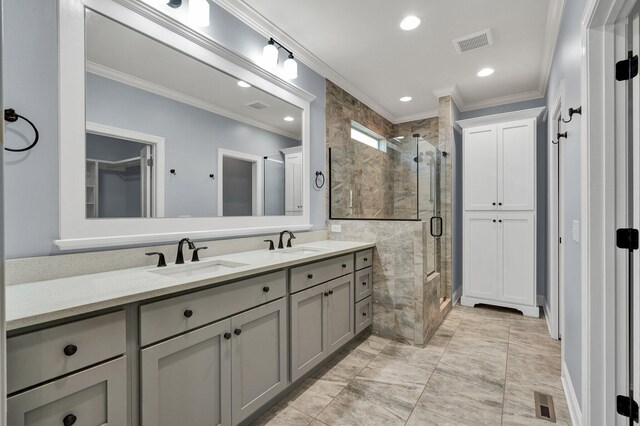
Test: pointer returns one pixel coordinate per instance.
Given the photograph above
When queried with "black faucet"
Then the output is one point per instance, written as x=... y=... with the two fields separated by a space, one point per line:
x=291 y=237
x=180 y=257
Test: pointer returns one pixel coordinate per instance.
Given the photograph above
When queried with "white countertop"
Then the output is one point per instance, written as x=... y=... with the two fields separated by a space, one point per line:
x=43 y=301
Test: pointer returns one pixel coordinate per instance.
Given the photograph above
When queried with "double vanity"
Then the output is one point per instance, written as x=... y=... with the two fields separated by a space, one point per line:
x=209 y=342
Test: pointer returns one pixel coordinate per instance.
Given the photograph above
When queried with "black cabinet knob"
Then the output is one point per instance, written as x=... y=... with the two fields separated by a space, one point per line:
x=69 y=420
x=364 y=314
x=70 y=350
x=500 y=221
x=227 y=335
x=494 y=221
x=344 y=265
x=330 y=292
x=265 y=289
x=237 y=332
x=364 y=283
x=499 y=204
x=326 y=293
x=188 y=313
x=310 y=276
x=493 y=204
x=366 y=259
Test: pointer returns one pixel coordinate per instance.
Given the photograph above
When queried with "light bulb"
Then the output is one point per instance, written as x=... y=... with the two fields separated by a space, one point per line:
x=199 y=13
x=290 y=68
x=270 y=56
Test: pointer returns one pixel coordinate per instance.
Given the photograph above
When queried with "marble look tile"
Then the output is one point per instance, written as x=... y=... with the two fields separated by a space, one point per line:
x=519 y=405
x=345 y=366
x=371 y=344
x=413 y=356
x=353 y=408
x=313 y=395
x=530 y=334
x=397 y=398
x=476 y=361
x=488 y=328
x=283 y=415
x=317 y=423
x=462 y=401
x=422 y=417
x=391 y=369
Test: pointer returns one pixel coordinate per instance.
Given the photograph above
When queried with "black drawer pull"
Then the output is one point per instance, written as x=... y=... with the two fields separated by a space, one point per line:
x=69 y=420
x=364 y=283
x=70 y=350
x=227 y=335
x=188 y=313
x=310 y=276
x=330 y=292
x=265 y=289
x=344 y=265
x=237 y=332
x=326 y=293
x=366 y=259
x=364 y=314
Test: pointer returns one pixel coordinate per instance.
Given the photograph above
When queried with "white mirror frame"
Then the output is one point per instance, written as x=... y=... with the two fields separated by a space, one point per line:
x=76 y=231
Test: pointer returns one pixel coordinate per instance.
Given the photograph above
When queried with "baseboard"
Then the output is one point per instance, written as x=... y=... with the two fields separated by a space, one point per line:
x=455 y=297
x=547 y=317
x=570 y=395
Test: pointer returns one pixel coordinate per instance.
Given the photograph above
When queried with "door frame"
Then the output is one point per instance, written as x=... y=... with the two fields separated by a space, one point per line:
x=552 y=303
x=158 y=151
x=600 y=342
x=257 y=177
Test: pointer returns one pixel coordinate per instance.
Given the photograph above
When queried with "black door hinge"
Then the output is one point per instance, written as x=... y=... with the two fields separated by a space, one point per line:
x=627 y=238
x=627 y=69
x=626 y=407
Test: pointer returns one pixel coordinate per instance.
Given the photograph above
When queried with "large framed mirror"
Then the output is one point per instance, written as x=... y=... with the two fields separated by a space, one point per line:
x=166 y=133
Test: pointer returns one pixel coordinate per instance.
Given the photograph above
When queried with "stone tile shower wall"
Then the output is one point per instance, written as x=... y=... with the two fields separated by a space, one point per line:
x=406 y=293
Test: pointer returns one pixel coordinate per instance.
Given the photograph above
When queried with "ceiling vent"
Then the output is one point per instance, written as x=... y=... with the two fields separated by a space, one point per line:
x=473 y=41
x=257 y=105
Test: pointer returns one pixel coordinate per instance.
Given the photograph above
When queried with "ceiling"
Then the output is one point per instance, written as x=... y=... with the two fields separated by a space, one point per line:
x=120 y=53
x=359 y=45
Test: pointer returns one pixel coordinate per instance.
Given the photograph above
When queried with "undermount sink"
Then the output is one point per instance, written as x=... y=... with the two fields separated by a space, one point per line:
x=301 y=251
x=190 y=269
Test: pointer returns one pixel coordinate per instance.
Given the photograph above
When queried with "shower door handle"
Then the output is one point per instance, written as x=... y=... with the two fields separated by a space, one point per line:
x=439 y=220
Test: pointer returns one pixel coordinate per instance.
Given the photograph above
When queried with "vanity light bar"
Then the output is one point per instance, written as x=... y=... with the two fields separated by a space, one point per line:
x=270 y=59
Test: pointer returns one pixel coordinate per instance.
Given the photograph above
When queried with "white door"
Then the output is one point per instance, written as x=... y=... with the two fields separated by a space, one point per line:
x=516 y=165
x=481 y=255
x=480 y=168
x=146 y=181
x=517 y=257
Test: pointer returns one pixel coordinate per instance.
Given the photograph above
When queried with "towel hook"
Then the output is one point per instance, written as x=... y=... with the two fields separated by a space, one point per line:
x=11 y=116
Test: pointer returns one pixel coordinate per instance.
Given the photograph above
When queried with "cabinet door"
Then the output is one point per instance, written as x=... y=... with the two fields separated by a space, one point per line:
x=480 y=168
x=308 y=330
x=94 y=397
x=340 y=310
x=259 y=361
x=481 y=255
x=517 y=258
x=187 y=380
x=516 y=160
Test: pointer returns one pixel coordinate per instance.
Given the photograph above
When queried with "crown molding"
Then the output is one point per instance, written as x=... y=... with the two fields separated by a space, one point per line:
x=503 y=100
x=504 y=117
x=165 y=92
x=454 y=93
x=266 y=28
x=554 y=22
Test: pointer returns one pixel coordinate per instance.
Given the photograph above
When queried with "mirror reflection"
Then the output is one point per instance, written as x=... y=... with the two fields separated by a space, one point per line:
x=169 y=136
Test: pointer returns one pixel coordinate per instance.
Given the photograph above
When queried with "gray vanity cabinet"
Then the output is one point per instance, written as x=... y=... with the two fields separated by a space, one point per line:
x=187 y=380
x=340 y=308
x=322 y=320
x=259 y=358
x=94 y=397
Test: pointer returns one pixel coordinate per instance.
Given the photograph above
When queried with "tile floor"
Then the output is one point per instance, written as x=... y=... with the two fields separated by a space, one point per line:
x=481 y=368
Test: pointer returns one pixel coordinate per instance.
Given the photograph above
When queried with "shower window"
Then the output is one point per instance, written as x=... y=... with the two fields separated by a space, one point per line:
x=368 y=137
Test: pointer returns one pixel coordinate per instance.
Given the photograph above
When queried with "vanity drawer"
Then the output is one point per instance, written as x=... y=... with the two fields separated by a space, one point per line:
x=42 y=355
x=166 y=318
x=364 y=314
x=305 y=276
x=364 y=283
x=364 y=259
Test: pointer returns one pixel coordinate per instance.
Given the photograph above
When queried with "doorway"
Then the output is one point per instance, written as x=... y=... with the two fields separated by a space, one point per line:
x=240 y=184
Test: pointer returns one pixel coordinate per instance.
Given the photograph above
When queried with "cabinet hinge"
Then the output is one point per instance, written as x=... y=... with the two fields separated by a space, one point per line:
x=627 y=69
x=627 y=238
x=149 y=162
x=625 y=406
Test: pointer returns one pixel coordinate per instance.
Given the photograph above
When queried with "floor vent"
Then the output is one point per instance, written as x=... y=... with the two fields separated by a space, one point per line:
x=257 y=105
x=544 y=406
x=473 y=41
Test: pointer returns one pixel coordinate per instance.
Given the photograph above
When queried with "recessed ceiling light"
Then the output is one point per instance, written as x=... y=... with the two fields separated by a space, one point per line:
x=410 y=23
x=485 y=72
x=406 y=99
x=243 y=84
x=288 y=118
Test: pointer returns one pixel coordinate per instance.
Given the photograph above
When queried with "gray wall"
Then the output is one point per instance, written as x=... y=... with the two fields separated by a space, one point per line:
x=3 y=378
x=566 y=66
x=457 y=261
x=111 y=149
x=237 y=187
x=192 y=139
x=30 y=56
x=542 y=193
